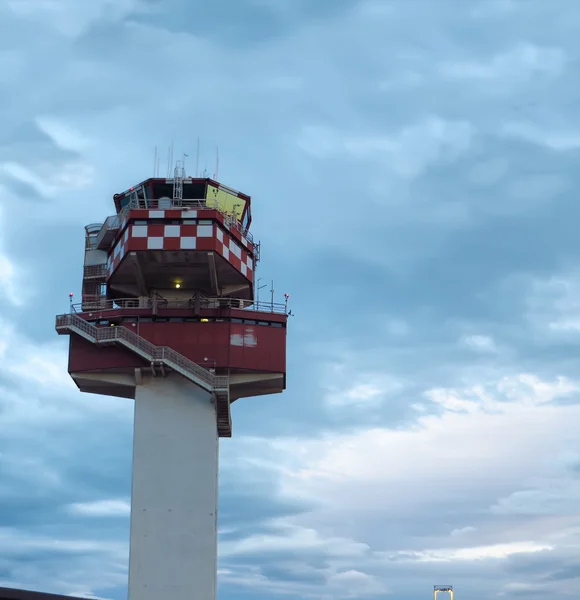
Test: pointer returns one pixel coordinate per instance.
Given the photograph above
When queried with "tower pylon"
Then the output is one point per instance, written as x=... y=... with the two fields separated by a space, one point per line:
x=168 y=318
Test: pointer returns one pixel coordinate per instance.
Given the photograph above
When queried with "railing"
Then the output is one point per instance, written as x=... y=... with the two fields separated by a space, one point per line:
x=113 y=222
x=100 y=304
x=93 y=228
x=94 y=271
x=146 y=349
x=166 y=204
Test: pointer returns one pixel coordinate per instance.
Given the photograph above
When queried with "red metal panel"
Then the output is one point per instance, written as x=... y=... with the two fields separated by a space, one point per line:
x=86 y=356
x=230 y=345
x=259 y=348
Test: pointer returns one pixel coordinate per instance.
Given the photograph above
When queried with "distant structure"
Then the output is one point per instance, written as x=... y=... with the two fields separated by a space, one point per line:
x=437 y=589
x=168 y=317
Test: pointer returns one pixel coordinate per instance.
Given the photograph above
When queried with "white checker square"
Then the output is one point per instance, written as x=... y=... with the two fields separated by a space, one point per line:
x=235 y=249
x=126 y=235
x=156 y=214
x=205 y=231
x=226 y=253
x=139 y=231
x=250 y=263
x=187 y=243
x=220 y=235
x=244 y=269
x=116 y=250
x=172 y=231
x=155 y=243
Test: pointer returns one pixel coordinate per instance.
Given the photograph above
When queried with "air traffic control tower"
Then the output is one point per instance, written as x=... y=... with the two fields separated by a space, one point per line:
x=168 y=318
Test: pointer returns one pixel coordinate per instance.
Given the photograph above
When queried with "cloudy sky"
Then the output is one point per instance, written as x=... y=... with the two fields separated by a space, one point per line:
x=414 y=170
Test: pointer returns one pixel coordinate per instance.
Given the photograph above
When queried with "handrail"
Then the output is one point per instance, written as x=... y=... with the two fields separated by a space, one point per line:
x=110 y=224
x=114 y=221
x=93 y=228
x=101 y=304
x=197 y=204
x=174 y=360
x=91 y=271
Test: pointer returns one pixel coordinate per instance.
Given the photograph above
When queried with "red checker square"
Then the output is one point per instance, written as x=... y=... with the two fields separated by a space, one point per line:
x=205 y=243
x=188 y=231
x=171 y=243
x=173 y=214
x=219 y=247
x=137 y=243
x=236 y=262
x=155 y=230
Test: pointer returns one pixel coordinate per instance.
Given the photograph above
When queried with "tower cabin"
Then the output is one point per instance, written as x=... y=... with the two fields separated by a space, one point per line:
x=176 y=266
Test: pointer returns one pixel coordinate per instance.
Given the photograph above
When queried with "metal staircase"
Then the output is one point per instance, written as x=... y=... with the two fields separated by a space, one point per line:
x=217 y=385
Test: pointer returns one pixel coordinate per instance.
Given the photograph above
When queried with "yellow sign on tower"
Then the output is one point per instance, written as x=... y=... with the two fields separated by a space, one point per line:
x=224 y=201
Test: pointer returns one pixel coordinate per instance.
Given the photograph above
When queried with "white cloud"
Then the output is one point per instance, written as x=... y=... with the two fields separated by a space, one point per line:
x=292 y=538
x=355 y=584
x=102 y=508
x=511 y=67
x=346 y=389
x=63 y=134
x=477 y=552
x=553 y=305
x=49 y=181
x=460 y=453
x=37 y=390
x=90 y=564
x=548 y=497
x=491 y=453
x=479 y=343
x=463 y=531
x=562 y=140
x=406 y=152
x=69 y=18
x=381 y=107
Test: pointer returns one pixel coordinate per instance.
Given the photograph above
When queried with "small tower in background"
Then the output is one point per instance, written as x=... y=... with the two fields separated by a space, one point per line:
x=438 y=589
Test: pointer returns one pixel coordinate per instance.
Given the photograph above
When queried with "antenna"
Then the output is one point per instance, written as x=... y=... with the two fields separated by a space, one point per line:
x=272 y=295
x=217 y=162
x=168 y=162
x=183 y=162
x=197 y=159
x=258 y=288
x=178 y=175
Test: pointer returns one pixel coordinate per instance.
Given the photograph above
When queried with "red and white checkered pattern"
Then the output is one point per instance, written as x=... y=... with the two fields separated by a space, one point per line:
x=174 y=214
x=210 y=237
x=234 y=253
x=118 y=253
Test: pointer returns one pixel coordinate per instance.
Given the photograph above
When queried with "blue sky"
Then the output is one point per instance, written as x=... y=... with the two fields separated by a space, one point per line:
x=414 y=172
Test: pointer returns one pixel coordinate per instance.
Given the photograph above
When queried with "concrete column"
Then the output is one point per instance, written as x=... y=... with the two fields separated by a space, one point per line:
x=173 y=553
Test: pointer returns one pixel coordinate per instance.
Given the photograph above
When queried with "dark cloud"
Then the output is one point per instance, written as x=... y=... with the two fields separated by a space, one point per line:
x=414 y=189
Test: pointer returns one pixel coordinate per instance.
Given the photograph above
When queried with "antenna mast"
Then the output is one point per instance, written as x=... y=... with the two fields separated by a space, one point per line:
x=178 y=176
x=197 y=159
